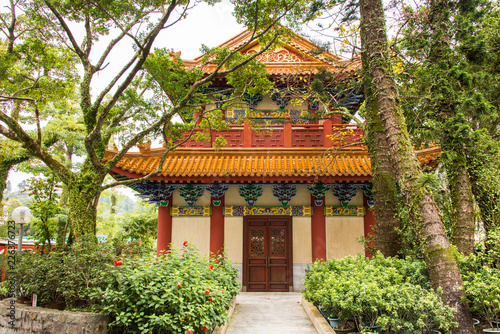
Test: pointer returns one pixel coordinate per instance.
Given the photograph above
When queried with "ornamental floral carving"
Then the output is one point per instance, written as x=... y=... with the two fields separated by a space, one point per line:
x=191 y=193
x=250 y=192
x=284 y=192
x=155 y=193
x=217 y=190
x=367 y=189
x=344 y=192
x=282 y=56
x=318 y=190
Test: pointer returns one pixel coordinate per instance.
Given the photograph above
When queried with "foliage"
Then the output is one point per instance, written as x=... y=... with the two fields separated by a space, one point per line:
x=482 y=288
x=137 y=233
x=44 y=207
x=63 y=277
x=481 y=284
x=178 y=292
x=387 y=292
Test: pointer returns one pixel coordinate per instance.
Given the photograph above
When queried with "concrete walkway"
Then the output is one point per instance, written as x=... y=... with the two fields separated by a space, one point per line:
x=269 y=313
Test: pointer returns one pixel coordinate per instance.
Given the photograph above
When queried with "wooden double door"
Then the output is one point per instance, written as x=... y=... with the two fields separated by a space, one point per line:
x=267 y=253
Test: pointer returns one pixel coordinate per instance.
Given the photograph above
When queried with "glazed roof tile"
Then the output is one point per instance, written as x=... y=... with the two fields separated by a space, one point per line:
x=282 y=163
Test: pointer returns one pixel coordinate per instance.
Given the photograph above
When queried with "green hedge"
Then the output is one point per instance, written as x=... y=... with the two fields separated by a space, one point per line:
x=390 y=293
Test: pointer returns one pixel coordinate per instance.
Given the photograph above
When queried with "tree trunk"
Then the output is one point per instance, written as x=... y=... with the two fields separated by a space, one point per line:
x=5 y=167
x=461 y=198
x=458 y=179
x=84 y=193
x=441 y=263
x=387 y=238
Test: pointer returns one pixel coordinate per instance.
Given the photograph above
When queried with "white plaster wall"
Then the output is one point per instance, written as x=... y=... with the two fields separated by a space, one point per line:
x=341 y=233
x=193 y=229
x=302 y=249
x=233 y=238
x=302 y=198
x=267 y=198
x=232 y=197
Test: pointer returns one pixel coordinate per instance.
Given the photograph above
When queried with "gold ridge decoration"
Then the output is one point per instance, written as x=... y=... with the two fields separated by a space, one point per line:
x=235 y=211
x=352 y=211
x=178 y=211
x=282 y=56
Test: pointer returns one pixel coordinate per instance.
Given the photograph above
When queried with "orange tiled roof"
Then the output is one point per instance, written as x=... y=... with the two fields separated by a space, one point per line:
x=256 y=163
x=296 y=59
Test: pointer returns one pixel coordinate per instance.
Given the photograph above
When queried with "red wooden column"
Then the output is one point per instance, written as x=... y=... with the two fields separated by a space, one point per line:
x=328 y=132
x=247 y=134
x=287 y=132
x=318 y=230
x=164 y=228
x=369 y=222
x=217 y=227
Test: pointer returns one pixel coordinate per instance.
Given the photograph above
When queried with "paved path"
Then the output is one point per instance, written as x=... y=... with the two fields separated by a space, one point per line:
x=269 y=313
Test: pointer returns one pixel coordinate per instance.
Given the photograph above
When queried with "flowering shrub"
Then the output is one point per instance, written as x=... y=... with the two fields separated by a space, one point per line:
x=180 y=292
x=386 y=292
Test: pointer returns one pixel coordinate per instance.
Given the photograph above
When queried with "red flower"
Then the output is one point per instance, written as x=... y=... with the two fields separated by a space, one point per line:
x=205 y=329
x=118 y=263
x=210 y=299
x=189 y=332
x=178 y=284
x=211 y=268
x=185 y=243
x=207 y=291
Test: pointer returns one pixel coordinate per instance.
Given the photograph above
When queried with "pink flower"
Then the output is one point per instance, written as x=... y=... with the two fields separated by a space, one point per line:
x=178 y=284
x=207 y=291
x=185 y=243
x=118 y=263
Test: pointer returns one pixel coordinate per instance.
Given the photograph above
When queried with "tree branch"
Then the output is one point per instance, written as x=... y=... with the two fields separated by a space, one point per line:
x=148 y=42
x=83 y=57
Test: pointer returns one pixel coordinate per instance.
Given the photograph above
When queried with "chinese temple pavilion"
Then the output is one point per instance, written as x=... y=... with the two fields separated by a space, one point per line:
x=274 y=201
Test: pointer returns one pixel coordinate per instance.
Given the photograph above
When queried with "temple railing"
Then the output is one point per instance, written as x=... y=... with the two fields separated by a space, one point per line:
x=286 y=135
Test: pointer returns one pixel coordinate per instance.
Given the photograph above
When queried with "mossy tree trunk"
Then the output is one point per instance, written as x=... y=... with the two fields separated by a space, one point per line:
x=440 y=59
x=463 y=209
x=387 y=238
x=83 y=199
x=5 y=166
x=439 y=256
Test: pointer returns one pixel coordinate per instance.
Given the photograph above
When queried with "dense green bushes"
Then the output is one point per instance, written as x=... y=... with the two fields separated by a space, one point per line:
x=180 y=292
x=390 y=293
x=63 y=278
x=177 y=293
x=482 y=286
